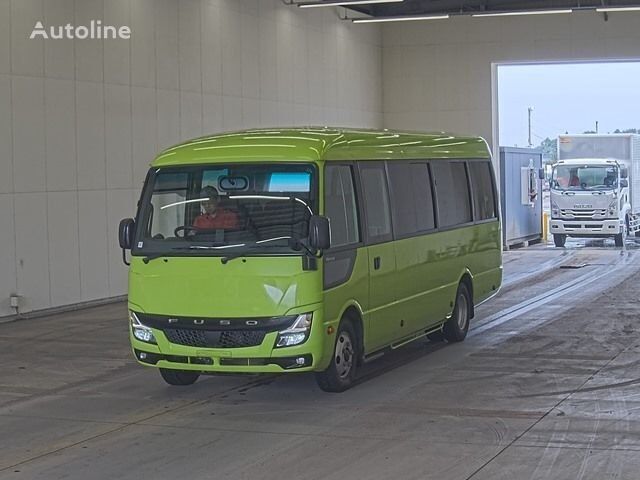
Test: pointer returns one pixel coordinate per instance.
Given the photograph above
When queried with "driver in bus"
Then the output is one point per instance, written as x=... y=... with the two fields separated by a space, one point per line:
x=214 y=216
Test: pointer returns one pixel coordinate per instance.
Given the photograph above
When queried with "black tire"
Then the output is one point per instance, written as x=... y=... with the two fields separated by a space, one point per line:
x=455 y=329
x=341 y=372
x=619 y=239
x=559 y=239
x=179 y=377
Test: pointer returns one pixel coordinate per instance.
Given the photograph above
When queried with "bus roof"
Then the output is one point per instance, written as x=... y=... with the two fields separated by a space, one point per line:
x=317 y=144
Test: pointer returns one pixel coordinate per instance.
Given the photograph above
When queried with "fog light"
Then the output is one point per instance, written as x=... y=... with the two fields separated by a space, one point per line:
x=300 y=361
x=142 y=355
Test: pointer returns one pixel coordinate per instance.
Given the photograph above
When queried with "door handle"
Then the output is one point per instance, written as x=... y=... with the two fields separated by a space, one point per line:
x=376 y=263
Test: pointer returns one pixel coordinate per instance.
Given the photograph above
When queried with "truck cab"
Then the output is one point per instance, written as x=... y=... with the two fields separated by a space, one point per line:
x=589 y=199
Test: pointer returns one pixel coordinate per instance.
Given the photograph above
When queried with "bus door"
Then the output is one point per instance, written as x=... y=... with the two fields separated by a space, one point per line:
x=383 y=323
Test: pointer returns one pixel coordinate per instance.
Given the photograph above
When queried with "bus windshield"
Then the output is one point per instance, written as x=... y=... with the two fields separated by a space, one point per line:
x=226 y=209
x=584 y=177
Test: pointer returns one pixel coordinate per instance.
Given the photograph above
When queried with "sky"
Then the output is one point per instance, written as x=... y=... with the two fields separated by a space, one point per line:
x=566 y=98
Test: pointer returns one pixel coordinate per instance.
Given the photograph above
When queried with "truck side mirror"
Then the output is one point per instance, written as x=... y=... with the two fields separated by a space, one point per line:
x=126 y=231
x=319 y=232
x=624 y=183
x=624 y=172
x=541 y=175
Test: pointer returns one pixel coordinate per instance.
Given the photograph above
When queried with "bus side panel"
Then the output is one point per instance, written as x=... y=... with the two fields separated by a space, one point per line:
x=485 y=260
x=420 y=298
x=429 y=268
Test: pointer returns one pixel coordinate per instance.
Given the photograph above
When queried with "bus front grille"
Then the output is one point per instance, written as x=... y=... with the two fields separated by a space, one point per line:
x=215 y=339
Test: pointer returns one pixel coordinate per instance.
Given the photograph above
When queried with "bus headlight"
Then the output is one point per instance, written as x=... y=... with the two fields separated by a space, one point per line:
x=297 y=333
x=140 y=331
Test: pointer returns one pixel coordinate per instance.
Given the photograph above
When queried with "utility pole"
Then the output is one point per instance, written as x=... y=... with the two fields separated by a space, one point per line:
x=530 y=109
x=596 y=126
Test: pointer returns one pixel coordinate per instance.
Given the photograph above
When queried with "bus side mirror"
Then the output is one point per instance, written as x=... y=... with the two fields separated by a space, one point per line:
x=541 y=173
x=624 y=183
x=319 y=232
x=624 y=172
x=126 y=231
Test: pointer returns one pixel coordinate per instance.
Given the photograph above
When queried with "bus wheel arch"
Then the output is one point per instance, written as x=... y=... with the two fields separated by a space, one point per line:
x=353 y=315
x=468 y=281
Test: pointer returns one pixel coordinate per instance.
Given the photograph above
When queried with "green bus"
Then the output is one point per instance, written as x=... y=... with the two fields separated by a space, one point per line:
x=308 y=250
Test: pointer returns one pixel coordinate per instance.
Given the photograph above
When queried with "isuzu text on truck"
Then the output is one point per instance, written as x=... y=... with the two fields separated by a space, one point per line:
x=595 y=187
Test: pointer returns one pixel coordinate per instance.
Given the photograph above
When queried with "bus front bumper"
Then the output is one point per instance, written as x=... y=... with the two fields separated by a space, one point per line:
x=586 y=228
x=309 y=355
x=210 y=362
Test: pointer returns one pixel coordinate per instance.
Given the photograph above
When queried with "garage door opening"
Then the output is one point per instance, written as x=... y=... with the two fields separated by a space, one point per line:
x=582 y=115
x=538 y=102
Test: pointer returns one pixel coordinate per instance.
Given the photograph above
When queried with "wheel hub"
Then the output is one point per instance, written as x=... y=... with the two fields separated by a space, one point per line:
x=344 y=355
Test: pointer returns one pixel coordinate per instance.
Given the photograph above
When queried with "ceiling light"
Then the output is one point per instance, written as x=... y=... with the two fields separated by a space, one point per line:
x=523 y=12
x=344 y=3
x=618 y=9
x=399 y=19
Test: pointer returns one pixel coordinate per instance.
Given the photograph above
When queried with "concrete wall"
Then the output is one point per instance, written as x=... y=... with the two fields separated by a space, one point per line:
x=437 y=74
x=80 y=120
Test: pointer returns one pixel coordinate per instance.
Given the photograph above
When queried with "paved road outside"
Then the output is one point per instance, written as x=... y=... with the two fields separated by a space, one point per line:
x=546 y=386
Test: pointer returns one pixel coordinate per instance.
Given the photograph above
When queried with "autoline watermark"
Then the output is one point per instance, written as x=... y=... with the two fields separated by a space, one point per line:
x=94 y=31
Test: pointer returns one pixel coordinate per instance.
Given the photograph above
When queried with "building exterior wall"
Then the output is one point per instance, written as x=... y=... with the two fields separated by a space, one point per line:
x=80 y=120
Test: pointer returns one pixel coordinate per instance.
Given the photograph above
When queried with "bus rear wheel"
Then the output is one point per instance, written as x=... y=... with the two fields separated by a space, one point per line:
x=179 y=377
x=559 y=239
x=341 y=373
x=455 y=329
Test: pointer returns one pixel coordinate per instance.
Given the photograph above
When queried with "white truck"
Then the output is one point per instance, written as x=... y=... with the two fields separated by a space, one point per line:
x=595 y=187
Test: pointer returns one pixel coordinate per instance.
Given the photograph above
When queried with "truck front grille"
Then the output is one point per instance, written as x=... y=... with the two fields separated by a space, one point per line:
x=583 y=213
x=215 y=339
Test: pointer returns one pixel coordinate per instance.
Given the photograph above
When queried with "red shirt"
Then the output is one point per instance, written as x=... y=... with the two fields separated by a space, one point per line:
x=223 y=219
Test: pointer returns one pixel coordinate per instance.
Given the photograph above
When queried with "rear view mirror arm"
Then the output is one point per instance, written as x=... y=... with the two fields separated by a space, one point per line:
x=124 y=258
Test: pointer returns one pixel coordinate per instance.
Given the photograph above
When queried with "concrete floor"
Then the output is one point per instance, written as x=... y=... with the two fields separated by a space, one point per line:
x=545 y=387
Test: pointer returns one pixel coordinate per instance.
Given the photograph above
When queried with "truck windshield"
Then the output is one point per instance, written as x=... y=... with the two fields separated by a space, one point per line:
x=226 y=209
x=584 y=177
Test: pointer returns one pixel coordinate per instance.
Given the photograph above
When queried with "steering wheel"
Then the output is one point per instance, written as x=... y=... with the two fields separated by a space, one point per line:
x=186 y=229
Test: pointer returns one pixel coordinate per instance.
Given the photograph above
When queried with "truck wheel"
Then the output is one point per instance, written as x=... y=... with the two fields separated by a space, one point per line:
x=341 y=373
x=619 y=239
x=559 y=239
x=179 y=377
x=455 y=329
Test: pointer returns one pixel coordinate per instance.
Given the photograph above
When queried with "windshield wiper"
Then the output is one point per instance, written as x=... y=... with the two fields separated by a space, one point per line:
x=153 y=256
x=252 y=246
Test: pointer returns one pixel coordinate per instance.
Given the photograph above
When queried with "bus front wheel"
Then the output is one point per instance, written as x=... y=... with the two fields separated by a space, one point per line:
x=341 y=373
x=179 y=377
x=455 y=329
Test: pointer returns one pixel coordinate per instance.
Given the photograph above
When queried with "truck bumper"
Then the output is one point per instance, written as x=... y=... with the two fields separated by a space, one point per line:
x=586 y=228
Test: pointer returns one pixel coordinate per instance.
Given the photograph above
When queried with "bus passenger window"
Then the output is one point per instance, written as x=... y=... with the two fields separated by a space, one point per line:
x=423 y=196
x=412 y=204
x=452 y=189
x=340 y=205
x=484 y=202
x=376 y=201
